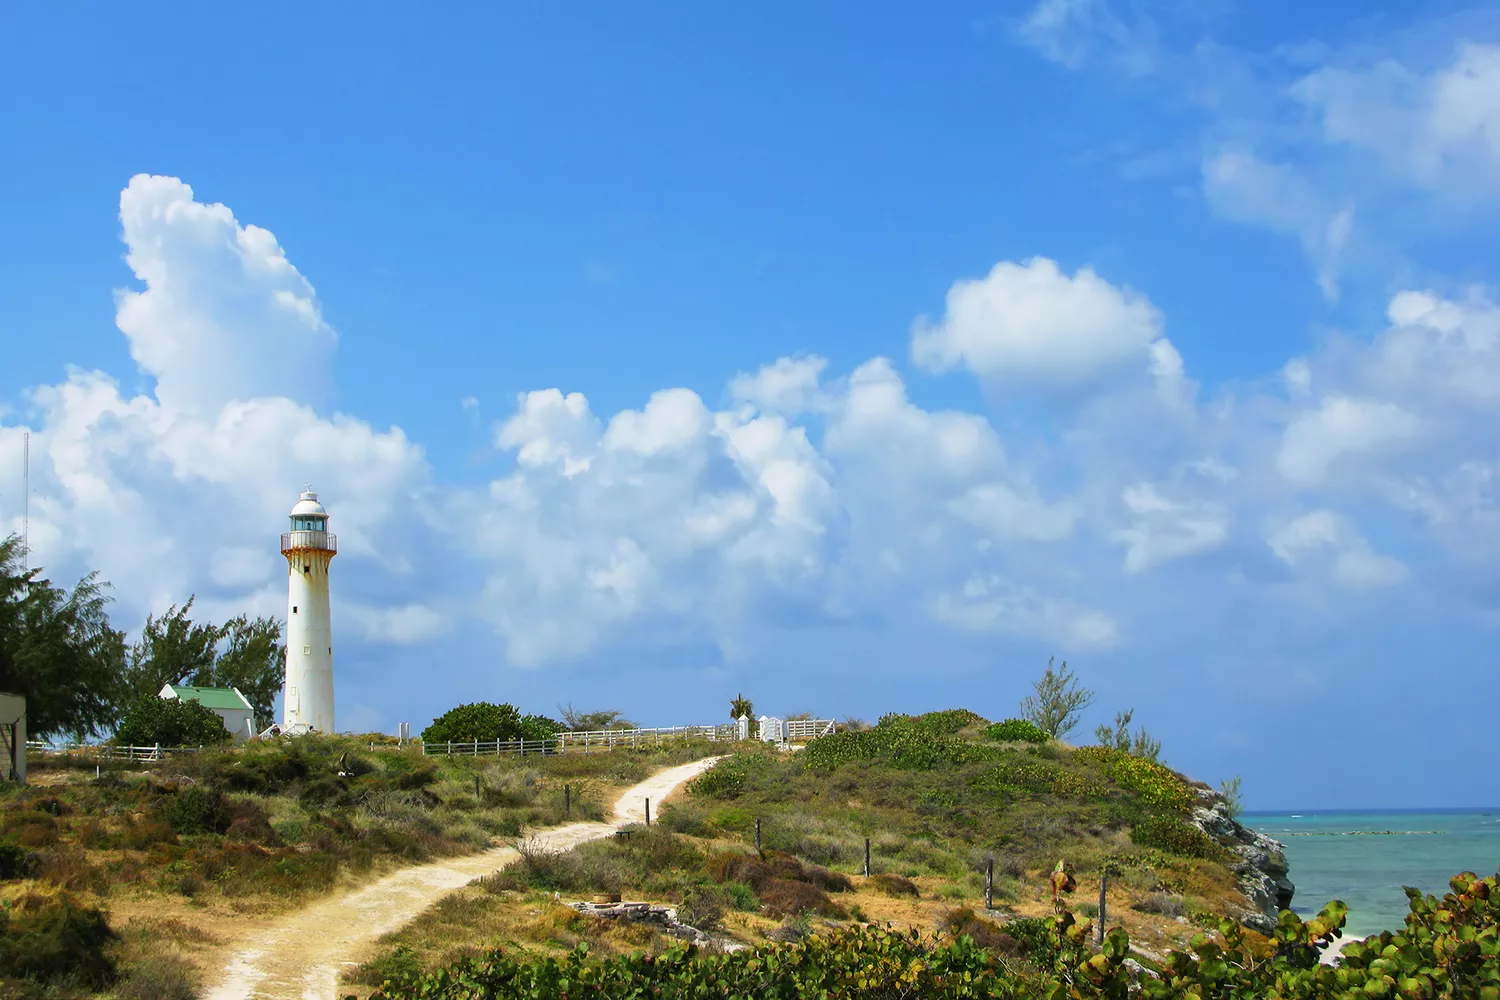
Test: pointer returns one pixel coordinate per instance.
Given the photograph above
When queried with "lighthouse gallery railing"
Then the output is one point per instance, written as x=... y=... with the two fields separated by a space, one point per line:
x=324 y=541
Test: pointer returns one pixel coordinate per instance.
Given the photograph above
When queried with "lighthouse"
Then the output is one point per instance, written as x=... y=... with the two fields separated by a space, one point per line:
x=307 y=702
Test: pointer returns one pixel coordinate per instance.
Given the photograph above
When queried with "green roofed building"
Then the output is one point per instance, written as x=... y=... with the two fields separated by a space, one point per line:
x=227 y=703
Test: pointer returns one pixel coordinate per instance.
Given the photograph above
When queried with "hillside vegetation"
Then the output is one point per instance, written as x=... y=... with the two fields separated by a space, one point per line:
x=938 y=796
x=118 y=885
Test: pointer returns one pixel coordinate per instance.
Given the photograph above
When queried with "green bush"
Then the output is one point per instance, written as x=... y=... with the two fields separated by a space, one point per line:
x=729 y=777
x=171 y=722
x=485 y=722
x=16 y=861
x=948 y=722
x=55 y=938
x=897 y=741
x=1170 y=834
x=703 y=907
x=197 y=810
x=1015 y=731
x=1449 y=948
x=397 y=968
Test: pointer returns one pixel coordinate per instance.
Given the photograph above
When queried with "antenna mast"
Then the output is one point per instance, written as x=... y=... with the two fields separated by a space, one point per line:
x=26 y=503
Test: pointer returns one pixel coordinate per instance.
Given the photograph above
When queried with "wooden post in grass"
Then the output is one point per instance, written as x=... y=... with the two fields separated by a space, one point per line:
x=757 y=835
x=989 y=883
x=867 y=857
x=567 y=801
x=1103 y=900
x=476 y=786
x=648 y=812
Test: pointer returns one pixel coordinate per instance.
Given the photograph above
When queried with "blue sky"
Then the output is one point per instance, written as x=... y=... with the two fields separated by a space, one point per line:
x=859 y=358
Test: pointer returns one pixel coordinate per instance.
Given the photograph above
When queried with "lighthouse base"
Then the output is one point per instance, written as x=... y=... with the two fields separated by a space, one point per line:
x=296 y=729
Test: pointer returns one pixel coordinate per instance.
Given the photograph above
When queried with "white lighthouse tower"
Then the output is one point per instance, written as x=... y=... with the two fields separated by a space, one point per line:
x=309 y=548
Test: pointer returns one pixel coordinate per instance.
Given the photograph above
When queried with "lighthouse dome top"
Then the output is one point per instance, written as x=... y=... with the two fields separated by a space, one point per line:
x=308 y=505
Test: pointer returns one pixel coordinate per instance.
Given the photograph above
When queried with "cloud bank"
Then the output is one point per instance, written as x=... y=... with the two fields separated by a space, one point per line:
x=815 y=515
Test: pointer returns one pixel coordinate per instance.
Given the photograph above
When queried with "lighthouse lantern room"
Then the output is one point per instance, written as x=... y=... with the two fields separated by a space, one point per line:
x=309 y=547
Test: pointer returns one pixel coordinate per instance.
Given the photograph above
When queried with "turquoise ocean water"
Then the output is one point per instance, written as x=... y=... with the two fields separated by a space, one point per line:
x=1367 y=871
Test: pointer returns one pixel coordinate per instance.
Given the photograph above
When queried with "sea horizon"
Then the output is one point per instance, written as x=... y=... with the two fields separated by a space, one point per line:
x=1367 y=870
x=1345 y=810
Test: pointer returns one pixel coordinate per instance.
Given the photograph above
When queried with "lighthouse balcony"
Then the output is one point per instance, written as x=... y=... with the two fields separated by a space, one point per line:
x=302 y=541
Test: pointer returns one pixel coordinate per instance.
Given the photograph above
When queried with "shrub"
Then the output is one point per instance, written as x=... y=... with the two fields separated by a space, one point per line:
x=1036 y=936
x=53 y=938
x=196 y=810
x=723 y=781
x=896 y=741
x=784 y=898
x=894 y=885
x=1016 y=731
x=948 y=722
x=703 y=907
x=1167 y=833
x=162 y=977
x=171 y=722
x=1447 y=949
x=742 y=897
x=399 y=968
x=964 y=922
x=484 y=722
x=17 y=862
x=1162 y=904
x=1155 y=784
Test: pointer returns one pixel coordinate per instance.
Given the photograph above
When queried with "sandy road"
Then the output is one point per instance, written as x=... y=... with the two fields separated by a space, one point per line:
x=300 y=955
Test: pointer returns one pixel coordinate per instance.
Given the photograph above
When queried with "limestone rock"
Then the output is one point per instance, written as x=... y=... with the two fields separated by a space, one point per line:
x=1262 y=868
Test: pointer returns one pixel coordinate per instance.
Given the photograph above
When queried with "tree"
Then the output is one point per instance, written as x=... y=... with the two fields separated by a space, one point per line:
x=57 y=649
x=1057 y=701
x=1118 y=737
x=1229 y=791
x=244 y=653
x=170 y=722
x=575 y=721
x=740 y=705
x=484 y=722
x=252 y=659
x=171 y=649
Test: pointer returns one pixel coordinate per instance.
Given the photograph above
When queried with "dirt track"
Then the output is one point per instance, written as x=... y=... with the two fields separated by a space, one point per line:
x=300 y=955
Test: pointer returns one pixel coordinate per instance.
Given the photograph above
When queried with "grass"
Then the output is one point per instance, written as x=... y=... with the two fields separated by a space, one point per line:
x=257 y=829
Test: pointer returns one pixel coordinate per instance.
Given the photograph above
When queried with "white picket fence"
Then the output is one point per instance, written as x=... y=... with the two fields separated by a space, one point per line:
x=595 y=741
x=601 y=740
x=799 y=730
x=106 y=751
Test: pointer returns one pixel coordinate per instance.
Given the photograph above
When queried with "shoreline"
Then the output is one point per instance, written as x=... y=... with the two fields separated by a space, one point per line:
x=1334 y=950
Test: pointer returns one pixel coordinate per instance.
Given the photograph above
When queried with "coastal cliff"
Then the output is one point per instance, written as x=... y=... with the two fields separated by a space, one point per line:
x=1262 y=868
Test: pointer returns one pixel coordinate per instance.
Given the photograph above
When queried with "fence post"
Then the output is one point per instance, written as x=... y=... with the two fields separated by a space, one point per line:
x=648 y=812
x=989 y=883
x=867 y=857
x=757 y=834
x=476 y=786
x=567 y=801
x=1103 y=902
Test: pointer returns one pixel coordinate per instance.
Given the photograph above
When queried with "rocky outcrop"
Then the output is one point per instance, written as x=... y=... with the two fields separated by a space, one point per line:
x=664 y=917
x=1261 y=868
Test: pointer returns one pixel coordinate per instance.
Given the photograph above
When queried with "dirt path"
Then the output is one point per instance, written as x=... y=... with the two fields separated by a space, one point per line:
x=300 y=955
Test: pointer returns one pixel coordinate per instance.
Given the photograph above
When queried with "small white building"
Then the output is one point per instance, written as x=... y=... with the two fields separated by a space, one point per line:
x=772 y=729
x=227 y=703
